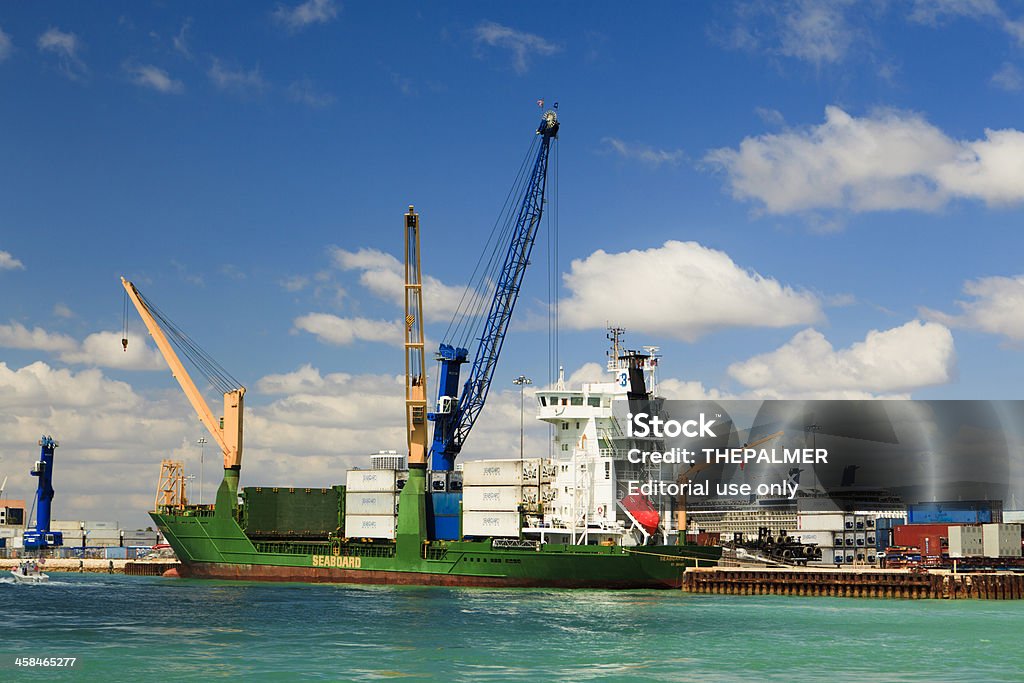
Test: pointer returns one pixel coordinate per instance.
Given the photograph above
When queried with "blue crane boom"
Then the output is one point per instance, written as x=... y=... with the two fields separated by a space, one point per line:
x=453 y=418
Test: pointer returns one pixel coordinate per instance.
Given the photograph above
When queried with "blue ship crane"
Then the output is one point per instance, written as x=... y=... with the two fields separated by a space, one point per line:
x=41 y=536
x=455 y=414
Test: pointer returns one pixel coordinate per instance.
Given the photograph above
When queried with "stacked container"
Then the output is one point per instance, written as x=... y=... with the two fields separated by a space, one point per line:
x=494 y=494
x=371 y=503
x=965 y=541
x=1001 y=540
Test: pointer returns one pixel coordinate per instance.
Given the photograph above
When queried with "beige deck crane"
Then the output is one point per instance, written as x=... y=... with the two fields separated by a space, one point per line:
x=687 y=475
x=226 y=432
x=415 y=369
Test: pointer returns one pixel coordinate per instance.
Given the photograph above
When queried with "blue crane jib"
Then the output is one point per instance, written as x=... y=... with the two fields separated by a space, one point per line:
x=456 y=413
x=41 y=536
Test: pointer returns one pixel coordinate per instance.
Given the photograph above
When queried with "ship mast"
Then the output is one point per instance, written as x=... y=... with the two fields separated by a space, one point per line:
x=415 y=375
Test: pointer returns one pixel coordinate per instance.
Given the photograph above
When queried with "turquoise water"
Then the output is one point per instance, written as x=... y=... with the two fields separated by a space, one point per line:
x=157 y=629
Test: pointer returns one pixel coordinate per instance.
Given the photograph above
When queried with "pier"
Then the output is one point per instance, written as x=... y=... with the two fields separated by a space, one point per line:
x=97 y=566
x=853 y=583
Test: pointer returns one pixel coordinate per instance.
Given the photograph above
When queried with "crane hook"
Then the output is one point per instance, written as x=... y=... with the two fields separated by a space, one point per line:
x=124 y=343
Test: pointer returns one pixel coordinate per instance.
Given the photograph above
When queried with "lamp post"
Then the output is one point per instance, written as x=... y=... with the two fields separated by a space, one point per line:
x=81 y=527
x=521 y=381
x=202 y=455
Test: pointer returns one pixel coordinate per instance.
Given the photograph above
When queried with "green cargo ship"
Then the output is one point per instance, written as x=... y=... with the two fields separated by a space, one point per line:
x=211 y=543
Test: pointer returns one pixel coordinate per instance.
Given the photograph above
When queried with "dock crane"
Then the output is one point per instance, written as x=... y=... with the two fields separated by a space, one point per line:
x=41 y=537
x=226 y=432
x=455 y=413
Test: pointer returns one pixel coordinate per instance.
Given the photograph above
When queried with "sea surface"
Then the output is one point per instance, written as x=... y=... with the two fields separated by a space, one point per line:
x=156 y=629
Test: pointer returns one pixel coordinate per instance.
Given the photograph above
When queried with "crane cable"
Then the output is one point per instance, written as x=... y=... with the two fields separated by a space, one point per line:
x=210 y=369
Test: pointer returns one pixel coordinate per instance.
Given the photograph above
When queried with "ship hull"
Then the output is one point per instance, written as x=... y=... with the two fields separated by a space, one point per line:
x=215 y=547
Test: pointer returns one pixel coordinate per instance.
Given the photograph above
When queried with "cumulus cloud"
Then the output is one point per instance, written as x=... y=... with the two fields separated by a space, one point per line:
x=8 y=262
x=65 y=46
x=997 y=307
x=101 y=349
x=816 y=31
x=308 y=13
x=888 y=160
x=698 y=290
x=238 y=81
x=149 y=76
x=522 y=45
x=643 y=153
x=894 y=361
x=938 y=12
x=333 y=329
x=6 y=46
x=384 y=275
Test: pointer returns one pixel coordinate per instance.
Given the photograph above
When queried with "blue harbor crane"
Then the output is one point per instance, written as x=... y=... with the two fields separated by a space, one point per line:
x=41 y=537
x=455 y=413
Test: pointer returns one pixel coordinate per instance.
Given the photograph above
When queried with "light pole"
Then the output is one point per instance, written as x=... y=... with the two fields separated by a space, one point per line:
x=521 y=381
x=81 y=527
x=202 y=454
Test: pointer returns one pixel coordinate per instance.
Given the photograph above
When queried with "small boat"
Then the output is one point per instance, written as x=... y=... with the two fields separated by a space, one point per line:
x=29 y=572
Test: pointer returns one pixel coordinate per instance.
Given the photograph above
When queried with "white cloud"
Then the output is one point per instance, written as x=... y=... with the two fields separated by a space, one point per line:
x=342 y=331
x=304 y=92
x=997 y=308
x=181 y=40
x=63 y=311
x=644 y=153
x=8 y=262
x=897 y=360
x=17 y=336
x=6 y=46
x=686 y=291
x=888 y=160
x=240 y=81
x=308 y=13
x=384 y=275
x=66 y=47
x=938 y=12
x=149 y=76
x=295 y=283
x=40 y=386
x=522 y=45
x=814 y=31
x=104 y=349
x=1008 y=78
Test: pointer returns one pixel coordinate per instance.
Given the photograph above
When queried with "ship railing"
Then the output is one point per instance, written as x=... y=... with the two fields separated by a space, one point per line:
x=432 y=553
x=515 y=544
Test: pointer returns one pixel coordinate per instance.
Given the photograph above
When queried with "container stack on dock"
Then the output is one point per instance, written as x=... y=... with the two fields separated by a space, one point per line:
x=843 y=538
x=496 y=492
x=371 y=503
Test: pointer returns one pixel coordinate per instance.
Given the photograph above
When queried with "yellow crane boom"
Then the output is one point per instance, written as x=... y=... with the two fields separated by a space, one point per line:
x=415 y=370
x=226 y=432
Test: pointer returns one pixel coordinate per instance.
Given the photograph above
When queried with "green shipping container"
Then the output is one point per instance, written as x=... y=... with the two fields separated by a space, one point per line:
x=299 y=513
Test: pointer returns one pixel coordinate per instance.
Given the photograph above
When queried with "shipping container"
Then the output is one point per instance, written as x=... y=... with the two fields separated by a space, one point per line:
x=115 y=553
x=370 y=526
x=926 y=537
x=90 y=526
x=497 y=498
x=497 y=524
x=492 y=473
x=531 y=471
x=1001 y=540
x=371 y=481
x=446 y=527
x=823 y=539
x=446 y=504
x=455 y=481
x=279 y=512
x=955 y=512
x=965 y=541
x=849 y=522
x=820 y=521
x=438 y=481
x=371 y=503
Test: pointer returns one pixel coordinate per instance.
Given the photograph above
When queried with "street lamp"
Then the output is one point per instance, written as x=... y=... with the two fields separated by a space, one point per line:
x=202 y=454
x=81 y=527
x=521 y=381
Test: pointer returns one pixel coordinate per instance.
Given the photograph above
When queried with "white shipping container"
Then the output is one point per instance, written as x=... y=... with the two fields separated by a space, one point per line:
x=1001 y=540
x=965 y=541
x=370 y=503
x=370 y=526
x=492 y=473
x=823 y=539
x=100 y=525
x=820 y=521
x=498 y=498
x=531 y=471
x=370 y=481
x=475 y=523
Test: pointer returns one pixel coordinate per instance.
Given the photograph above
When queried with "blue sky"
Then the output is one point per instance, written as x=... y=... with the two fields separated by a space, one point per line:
x=790 y=199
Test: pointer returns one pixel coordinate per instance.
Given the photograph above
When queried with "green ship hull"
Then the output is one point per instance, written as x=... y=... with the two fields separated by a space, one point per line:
x=211 y=544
